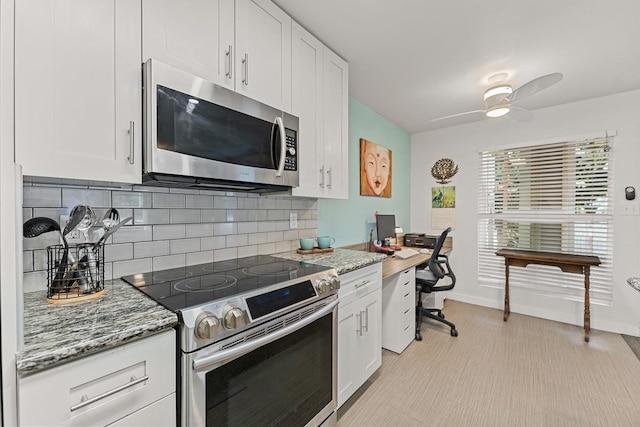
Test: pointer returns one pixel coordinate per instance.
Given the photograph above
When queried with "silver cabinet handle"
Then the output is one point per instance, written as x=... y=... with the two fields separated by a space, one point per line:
x=359 y=317
x=244 y=348
x=229 y=55
x=88 y=401
x=283 y=146
x=330 y=178
x=245 y=61
x=132 y=141
x=366 y=325
x=361 y=284
x=322 y=177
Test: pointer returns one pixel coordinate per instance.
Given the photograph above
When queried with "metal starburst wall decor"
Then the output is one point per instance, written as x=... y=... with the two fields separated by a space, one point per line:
x=443 y=170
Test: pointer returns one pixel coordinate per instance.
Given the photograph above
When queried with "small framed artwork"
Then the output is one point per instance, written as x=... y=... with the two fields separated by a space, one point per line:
x=375 y=169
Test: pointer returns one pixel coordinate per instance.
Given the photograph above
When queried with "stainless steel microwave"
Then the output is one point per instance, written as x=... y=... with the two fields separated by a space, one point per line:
x=199 y=134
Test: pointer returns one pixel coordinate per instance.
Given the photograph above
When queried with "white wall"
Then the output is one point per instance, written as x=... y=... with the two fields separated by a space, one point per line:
x=619 y=112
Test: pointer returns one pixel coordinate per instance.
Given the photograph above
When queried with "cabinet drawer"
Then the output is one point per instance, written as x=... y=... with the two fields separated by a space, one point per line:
x=103 y=388
x=356 y=284
x=159 y=414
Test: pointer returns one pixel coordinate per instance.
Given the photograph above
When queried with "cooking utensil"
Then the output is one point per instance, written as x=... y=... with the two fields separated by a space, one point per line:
x=76 y=215
x=40 y=225
x=115 y=228
x=87 y=220
x=110 y=219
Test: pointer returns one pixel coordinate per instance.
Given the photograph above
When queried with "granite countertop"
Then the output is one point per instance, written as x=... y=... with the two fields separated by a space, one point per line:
x=343 y=260
x=55 y=334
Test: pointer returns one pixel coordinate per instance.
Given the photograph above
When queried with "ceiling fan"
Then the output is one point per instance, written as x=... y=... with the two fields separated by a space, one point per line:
x=500 y=97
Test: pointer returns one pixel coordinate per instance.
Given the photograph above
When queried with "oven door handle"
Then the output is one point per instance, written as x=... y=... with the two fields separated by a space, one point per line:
x=283 y=146
x=205 y=362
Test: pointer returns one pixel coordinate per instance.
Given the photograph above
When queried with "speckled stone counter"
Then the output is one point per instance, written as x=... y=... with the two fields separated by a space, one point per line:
x=55 y=334
x=343 y=260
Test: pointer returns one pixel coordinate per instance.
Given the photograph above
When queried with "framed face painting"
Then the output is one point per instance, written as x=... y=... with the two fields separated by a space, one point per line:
x=375 y=169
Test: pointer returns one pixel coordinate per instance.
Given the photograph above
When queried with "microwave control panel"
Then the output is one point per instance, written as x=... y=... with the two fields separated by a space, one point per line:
x=291 y=156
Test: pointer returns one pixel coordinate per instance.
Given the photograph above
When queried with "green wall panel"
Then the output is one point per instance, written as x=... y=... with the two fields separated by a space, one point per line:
x=349 y=221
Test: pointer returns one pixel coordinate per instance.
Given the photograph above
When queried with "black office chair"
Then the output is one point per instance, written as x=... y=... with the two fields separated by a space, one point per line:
x=427 y=276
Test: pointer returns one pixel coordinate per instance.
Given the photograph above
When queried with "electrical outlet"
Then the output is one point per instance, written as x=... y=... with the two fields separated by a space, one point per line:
x=293 y=220
x=74 y=236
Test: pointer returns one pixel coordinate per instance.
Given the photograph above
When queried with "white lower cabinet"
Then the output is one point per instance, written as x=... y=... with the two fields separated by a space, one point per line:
x=398 y=310
x=133 y=384
x=359 y=331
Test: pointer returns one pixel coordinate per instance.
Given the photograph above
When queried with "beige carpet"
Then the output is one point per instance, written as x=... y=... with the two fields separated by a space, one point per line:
x=524 y=372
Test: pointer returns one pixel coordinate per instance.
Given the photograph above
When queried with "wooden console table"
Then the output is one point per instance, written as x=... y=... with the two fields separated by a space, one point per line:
x=579 y=264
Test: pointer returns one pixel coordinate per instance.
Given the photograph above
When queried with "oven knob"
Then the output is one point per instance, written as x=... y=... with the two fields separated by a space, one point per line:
x=322 y=286
x=233 y=317
x=334 y=282
x=206 y=325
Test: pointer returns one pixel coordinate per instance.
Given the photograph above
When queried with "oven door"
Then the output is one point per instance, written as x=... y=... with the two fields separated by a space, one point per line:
x=281 y=373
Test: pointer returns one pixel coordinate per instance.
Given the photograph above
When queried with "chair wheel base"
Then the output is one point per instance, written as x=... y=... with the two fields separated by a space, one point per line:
x=441 y=315
x=418 y=336
x=454 y=332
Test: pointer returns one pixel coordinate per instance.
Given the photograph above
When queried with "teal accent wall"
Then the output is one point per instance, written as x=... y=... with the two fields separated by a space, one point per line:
x=349 y=221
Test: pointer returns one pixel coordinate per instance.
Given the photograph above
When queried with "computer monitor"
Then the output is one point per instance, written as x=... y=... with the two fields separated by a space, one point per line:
x=386 y=226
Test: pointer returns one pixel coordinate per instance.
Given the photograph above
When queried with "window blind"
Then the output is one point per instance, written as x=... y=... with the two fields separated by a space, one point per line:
x=555 y=197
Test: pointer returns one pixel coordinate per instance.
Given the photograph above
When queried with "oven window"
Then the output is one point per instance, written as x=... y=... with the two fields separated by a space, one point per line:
x=195 y=127
x=285 y=383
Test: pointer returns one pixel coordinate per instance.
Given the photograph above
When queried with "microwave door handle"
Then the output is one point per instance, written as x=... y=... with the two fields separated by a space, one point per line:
x=283 y=146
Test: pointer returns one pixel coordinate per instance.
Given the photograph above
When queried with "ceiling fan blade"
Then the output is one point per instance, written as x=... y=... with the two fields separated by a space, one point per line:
x=520 y=114
x=466 y=113
x=534 y=86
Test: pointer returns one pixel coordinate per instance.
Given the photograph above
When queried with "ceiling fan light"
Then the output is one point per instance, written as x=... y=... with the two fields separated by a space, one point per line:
x=504 y=90
x=498 y=111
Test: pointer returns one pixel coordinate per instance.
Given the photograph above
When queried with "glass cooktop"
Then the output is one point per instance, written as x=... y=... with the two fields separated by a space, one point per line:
x=182 y=287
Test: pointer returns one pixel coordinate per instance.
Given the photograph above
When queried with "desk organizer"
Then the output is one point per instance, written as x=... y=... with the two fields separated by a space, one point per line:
x=74 y=274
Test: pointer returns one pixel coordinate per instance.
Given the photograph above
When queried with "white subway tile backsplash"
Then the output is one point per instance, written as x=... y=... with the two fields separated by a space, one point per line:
x=202 y=257
x=172 y=226
x=134 y=233
x=134 y=266
x=151 y=216
x=185 y=216
x=223 y=254
x=275 y=236
x=266 y=226
x=213 y=215
x=118 y=252
x=42 y=196
x=247 y=203
x=170 y=261
x=151 y=249
x=225 y=228
x=266 y=203
x=130 y=199
x=247 y=227
x=165 y=232
x=27 y=261
x=237 y=240
x=258 y=238
x=199 y=230
x=93 y=198
x=225 y=202
x=234 y=215
x=170 y=200
x=199 y=201
x=248 y=251
x=217 y=242
x=183 y=246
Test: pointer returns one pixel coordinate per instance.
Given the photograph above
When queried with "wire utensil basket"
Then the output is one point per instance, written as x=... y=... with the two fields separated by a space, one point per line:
x=76 y=273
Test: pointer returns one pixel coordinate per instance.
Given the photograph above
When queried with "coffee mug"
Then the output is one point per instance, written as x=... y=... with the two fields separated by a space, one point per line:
x=325 y=242
x=306 y=243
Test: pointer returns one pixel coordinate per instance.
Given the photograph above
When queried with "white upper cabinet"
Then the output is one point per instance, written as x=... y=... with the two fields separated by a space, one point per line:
x=243 y=45
x=320 y=100
x=78 y=89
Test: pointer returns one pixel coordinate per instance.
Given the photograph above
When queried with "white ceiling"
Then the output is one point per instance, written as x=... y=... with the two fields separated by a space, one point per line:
x=416 y=60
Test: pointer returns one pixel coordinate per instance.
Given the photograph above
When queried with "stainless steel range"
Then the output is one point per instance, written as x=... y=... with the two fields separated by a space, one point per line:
x=257 y=340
